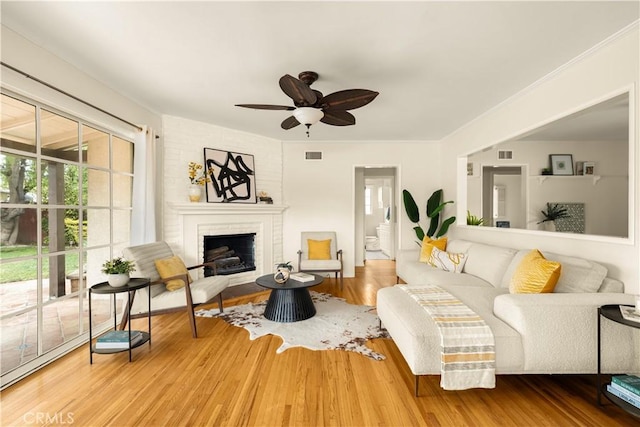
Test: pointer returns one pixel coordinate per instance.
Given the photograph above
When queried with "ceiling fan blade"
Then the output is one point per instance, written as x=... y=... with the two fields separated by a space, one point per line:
x=266 y=107
x=289 y=122
x=301 y=94
x=338 y=118
x=348 y=99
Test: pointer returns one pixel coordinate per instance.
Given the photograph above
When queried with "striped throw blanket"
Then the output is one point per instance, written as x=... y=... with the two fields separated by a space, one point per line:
x=468 y=346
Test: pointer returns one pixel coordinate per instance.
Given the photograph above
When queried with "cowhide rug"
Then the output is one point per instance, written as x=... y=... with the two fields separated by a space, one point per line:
x=337 y=325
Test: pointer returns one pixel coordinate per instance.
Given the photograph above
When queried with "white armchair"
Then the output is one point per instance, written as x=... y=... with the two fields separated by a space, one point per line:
x=319 y=253
x=194 y=293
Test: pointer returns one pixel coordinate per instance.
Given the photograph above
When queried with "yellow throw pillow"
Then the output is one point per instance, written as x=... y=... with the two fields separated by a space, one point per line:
x=535 y=275
x=428 y=244
x=319 y=249
x=170 y=267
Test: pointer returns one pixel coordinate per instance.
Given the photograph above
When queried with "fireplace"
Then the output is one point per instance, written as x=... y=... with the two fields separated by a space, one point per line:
x=231 y=253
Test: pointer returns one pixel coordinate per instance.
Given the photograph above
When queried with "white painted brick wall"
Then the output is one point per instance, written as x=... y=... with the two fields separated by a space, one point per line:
x=185 y=141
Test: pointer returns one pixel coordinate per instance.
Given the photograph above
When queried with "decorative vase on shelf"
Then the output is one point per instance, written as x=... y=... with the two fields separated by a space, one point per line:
x=118 y=280
x=195 y=193
x=550 y=226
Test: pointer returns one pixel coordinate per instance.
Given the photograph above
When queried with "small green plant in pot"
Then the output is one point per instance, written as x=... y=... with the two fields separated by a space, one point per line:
x=553 y=212
x=474 y=220
x=117 y=270
x=435 y=205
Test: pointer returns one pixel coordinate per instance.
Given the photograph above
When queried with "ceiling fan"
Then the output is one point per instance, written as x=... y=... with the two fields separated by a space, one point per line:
x=311 y=106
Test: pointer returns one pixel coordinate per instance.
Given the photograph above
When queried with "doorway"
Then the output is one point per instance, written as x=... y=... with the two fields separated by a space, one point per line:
x=375 y=207
x=504 y=192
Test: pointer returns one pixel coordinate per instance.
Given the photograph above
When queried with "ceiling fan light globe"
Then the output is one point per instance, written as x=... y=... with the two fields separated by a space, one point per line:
x=308 y=115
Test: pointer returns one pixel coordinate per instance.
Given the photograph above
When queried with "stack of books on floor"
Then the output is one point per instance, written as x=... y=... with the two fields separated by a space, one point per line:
x=117 y=340
x=627 y=388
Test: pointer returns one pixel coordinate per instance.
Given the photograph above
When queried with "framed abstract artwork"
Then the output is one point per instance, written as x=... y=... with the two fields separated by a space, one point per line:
x=561 y=164
x=231 y=175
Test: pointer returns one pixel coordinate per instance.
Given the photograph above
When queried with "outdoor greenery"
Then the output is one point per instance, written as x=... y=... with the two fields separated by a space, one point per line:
x=19 y=271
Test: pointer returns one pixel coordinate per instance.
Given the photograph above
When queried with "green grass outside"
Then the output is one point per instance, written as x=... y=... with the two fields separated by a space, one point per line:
x=18 y=271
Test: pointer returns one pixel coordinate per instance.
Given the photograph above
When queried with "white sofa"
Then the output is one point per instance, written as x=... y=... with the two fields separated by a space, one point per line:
x=554 y=333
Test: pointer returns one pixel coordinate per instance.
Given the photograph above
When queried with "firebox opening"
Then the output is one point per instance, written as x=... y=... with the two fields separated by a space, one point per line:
x=232 y=253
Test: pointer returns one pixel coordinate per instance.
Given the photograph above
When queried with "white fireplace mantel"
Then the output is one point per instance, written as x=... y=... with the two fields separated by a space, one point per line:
x=227 y=208
x=197 y=220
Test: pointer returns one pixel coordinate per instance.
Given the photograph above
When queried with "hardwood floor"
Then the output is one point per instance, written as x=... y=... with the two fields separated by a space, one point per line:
x=223 y=379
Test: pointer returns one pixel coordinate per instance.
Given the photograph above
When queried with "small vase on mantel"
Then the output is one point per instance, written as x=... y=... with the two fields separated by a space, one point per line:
x=550 y=226
x=195 y=193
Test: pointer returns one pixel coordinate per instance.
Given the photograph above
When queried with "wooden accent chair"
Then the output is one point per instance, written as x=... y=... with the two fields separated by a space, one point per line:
x=193 y=293
x=319 y=256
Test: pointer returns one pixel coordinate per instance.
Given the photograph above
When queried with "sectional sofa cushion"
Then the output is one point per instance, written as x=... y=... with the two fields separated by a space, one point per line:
x=486 y=261
x=578 y=275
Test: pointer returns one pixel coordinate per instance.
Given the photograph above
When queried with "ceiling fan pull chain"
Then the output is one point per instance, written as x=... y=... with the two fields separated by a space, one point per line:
x=308 y=127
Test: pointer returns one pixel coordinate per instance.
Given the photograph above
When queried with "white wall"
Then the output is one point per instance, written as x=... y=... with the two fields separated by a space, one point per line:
x=604 y=71
x=185 y=141
x=320 y=194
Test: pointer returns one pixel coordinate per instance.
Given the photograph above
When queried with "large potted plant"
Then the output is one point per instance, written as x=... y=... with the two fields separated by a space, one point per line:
x=117 y=271
x=551 y=213
x=435 y=205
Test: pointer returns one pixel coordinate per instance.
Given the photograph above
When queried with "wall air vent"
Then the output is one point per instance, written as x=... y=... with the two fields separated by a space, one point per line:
x=505 y=154
x=313 y=155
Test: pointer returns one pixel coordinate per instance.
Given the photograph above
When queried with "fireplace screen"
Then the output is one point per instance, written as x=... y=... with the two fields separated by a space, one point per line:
x=232 y=253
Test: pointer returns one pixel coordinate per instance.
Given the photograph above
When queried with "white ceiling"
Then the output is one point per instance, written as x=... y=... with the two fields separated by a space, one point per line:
x=437 y=65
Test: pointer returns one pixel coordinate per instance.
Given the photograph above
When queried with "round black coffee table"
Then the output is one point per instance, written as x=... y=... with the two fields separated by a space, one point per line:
x=289 y=301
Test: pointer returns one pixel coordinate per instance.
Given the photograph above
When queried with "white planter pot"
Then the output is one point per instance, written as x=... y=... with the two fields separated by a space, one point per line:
x=118 y=280
x=550 y=226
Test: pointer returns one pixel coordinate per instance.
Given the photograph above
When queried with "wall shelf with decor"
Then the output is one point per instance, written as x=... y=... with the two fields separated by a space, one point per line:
x=543 y=178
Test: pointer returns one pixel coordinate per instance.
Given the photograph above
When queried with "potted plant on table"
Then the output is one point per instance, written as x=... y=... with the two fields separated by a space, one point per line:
x=283 y=271
x=551 y=214
x=117 y=270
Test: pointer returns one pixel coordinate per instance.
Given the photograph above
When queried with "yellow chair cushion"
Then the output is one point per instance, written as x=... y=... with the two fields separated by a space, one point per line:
x=428 y=244
x=319 y=249
x=535 y=275
x=170 y=267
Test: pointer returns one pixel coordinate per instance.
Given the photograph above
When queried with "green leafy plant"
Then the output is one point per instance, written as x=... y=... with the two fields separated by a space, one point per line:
x=435 y=205
x=118 y=266
x=285 y=265
x=474 y=220
x=553 y=212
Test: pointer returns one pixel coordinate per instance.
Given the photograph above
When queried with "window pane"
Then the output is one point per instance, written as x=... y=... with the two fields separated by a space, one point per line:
x=122 y=188
x=57 y=271
x=96 y=188
x=18 y=179
x=59 y=136
x=19 y=340
x=122 y=155
x=18 y=287
x=121 y=225
x=60 y=322
x=61 y=183
x=19 y=236
x=60 y=229
x=98 y=227
x=95 y=147
x=18 y=125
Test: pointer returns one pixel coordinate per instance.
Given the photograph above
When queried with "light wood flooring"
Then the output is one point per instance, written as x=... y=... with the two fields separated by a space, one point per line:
x=224 y=379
